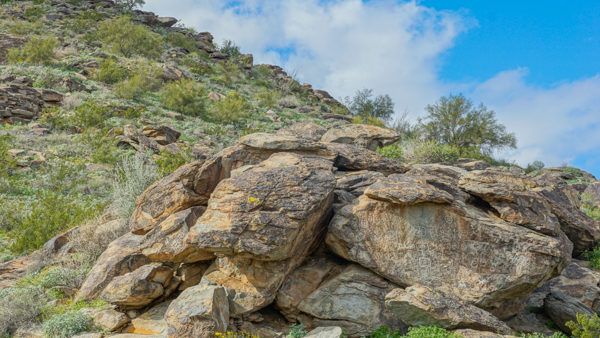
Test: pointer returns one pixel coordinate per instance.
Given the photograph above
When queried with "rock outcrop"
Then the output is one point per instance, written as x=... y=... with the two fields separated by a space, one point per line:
x=20 y=102
x=253 y=228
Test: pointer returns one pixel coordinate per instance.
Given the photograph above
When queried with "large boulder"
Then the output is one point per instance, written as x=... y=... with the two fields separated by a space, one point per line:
x=366 y=136
x=421 y=306
x=140 y=287
x=122 y=256
x=306 y=130
x=413 y=230
x=354 y=300
x=199 y=311
x=261 y=223
x=268 y=211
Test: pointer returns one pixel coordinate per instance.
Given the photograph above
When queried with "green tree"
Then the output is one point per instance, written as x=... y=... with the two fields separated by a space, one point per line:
x=454 y=120
x=120 y=35
x=365 y=106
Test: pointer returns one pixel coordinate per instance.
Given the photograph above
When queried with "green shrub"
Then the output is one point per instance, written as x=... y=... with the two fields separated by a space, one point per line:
x=145 y=78
x=22 y=28
x=7 y=161
x=392 y=151
x=49 y=215
x=111 y=72
x=432 y=152
x=370 y=120
x=122 y=36
x=38 y=50
x=20 y=306
x=134 y=174
x=585 y=326
x=534 y=166
x=385 y=332
x=297 y=331
x=593 y=256
x=67 y=324
x=102 y=148
x=267 y=98
x=168 y=162
x=185 y=96
x=230 y=109
x=589 y=207
x=230 y=49
x=430 y=332
x=541 y=335
x=33 y=13
x=177 y=39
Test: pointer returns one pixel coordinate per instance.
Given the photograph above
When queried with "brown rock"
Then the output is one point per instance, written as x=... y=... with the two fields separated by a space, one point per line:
x=139 y=287
x=199 y=311
x=366 y=136
x=162 y=135
x=421 y=306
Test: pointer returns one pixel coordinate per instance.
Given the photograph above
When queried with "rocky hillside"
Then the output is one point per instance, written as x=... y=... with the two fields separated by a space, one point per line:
x=155 y=184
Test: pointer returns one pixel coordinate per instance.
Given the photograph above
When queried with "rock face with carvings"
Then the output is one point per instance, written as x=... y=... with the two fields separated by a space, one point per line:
x=311 y=225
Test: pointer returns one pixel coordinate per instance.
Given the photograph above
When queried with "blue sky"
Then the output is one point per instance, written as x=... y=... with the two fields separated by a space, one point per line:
x=536 y=63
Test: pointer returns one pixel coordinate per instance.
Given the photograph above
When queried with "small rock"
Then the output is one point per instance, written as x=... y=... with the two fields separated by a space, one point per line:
x=109 y=319
x=325 y=332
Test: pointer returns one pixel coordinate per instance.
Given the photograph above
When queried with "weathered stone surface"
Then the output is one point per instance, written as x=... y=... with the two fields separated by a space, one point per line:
x=416 y=233
x=562 y=308
x=151 y=322
x=268 y=211
x=109 y=319
x=326 y=332
x=199 y=311
x=279 y=142
x=353 y=300
x=564 y=200
x=122 y=256
x=351 y=157
x=366 y=136
x=163 y=135
x=167 y=241
x=421 y=306
x=165 y=197
x=356 y=182
x=140 y=287
x=469 y=333
x=302 y=282
x=21 y=102
x=305 y=130
x=191 y=274
x=512 y=197
x=592 y=194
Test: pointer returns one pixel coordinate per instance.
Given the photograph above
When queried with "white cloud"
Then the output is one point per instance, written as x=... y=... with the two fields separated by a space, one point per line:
x=395 y=48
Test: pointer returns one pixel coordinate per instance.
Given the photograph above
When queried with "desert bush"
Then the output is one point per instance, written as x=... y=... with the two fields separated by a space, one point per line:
x=67 y=324
x=593 y=256
x=431 y=152
x=33 y=13
x=534 y=166
x=589 y=207
x=7 y=162
x=392 y=151
x=145 y=78
x=22 y=28
x=370 y=120
x=541 y=335
x=129 y=5
x=585 y=326
x=267 y=98
x=430 y=332
x=230 y=49
x=230 y=109
x=185 y=96
x=385 y=332
x=133 y=175
x=19 y=307
x=38 y=50
x=181 y=40
x=111 y=72
x=297 y=331
x=167 y=162
x=364 y=105
x=51 y=214
x=122 y=36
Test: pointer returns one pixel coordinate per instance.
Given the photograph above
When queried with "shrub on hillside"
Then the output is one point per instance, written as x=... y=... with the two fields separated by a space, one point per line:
x=267 y=98
x=38 y=50
x=133 y=175
x=297 y=331
x=185 y=96
x=67 y=325
x=230 y=49
x=393 y=151
x=51 y=214
x=431 y=152
x=585 y=326
x=19 y=307
x=122 y=36
x=168 y=162
x=145 y=78
x=176 y=39
x=365 y=106
x=230 y=109
x=370 y=120
x=111 y=72
x=430 y=332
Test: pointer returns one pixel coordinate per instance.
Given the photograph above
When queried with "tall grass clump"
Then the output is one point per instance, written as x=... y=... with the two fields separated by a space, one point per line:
x=134 y=174
x=185 y=96
x=38 y=50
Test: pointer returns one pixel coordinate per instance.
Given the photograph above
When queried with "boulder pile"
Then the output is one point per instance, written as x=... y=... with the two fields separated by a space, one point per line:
x=313 y=226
